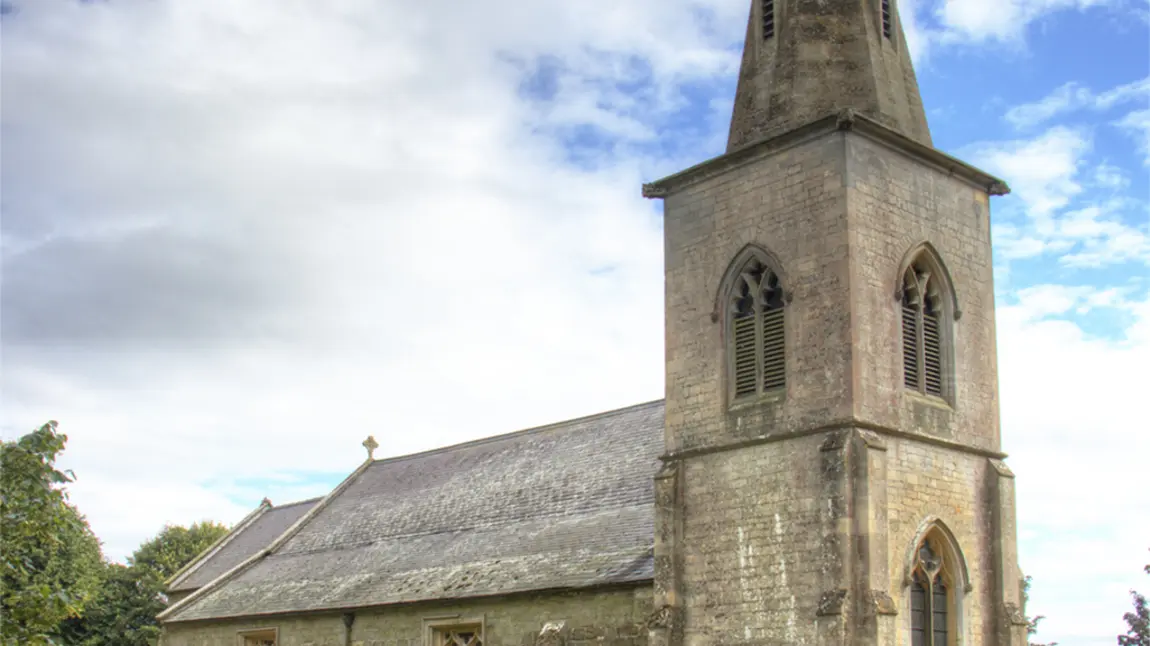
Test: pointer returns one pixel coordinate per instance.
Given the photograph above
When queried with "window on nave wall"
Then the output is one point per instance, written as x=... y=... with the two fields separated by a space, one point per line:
x=459 y=636
x=265 y=637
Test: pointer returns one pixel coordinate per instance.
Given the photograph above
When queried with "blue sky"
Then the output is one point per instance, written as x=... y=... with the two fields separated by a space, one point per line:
x=239 y=237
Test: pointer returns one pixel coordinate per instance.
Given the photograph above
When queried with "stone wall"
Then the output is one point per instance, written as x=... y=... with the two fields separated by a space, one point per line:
x=793 y=204
x=761 y=545
x=896 y=203
x=824 y=57
x=607 y=617
x=796 y=514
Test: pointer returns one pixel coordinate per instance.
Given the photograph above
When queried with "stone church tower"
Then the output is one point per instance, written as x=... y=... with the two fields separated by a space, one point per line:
x=833 y=472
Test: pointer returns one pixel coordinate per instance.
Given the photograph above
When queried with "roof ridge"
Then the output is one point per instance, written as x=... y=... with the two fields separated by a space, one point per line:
x=298 y=502
x=525 y=431
x=234 y=531
x=212 y=585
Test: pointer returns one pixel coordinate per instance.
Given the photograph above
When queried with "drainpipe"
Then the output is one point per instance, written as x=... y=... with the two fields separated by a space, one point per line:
x=348 y=620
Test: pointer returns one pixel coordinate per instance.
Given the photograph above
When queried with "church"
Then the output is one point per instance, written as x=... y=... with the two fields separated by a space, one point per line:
x=825 y=467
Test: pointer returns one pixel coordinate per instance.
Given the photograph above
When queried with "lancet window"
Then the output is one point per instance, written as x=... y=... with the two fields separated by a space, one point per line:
x=757 y=338
x=924 y=329
x=930 y=599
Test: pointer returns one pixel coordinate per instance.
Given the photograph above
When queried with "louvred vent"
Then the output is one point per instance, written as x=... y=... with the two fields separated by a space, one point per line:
x=774 y=347
x=757 y=334
x=910 y=345
x=923 y=336
x=931 y=355
x=744 y=356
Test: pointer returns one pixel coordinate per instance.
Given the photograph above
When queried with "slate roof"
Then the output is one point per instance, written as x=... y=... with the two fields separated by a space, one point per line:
x=253 y=534
x=570 y=505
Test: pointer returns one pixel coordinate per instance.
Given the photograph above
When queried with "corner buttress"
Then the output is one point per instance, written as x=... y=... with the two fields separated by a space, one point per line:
x=665 y=625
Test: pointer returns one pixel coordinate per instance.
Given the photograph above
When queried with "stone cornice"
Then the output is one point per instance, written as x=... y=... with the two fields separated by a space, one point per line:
x=845 y=121
x=877 y=429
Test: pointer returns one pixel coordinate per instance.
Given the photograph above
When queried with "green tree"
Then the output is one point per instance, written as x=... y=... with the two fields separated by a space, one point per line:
x=1137 y=622
x=174 y=547
x=50 y=560
x=124 y=611
x=1031 y=622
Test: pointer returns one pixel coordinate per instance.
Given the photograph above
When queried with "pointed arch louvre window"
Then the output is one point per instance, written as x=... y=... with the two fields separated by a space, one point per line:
x=923 y=350
x=886 y=19
x=757 y=350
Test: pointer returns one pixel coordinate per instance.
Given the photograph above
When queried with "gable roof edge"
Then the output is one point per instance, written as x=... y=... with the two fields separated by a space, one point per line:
x=254 y=558
x=206 y=555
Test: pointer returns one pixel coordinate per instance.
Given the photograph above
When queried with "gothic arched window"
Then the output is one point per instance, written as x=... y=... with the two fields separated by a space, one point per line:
x=931 y=601
x=925 y=329
x=756 y=339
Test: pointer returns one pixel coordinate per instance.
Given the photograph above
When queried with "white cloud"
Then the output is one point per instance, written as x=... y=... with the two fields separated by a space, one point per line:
x=240 y=237
x=1137 y=125
x=1107 y=176
x=1083 y=525
x=1072 y=96
x=1042 y=171
x=1048 y=174
x=1002 y=20
x=948 y=23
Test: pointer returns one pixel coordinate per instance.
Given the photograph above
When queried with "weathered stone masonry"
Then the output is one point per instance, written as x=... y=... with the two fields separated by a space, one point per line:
x=600 y=618
x=816 y=513
x=798 y=511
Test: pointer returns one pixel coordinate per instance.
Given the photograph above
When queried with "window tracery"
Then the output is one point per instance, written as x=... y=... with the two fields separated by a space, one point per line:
x=930 y=600
x=459 y=636
x=757 y=338
x=924 y=338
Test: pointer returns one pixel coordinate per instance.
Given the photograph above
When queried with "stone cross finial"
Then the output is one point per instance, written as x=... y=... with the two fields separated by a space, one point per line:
x=371 y=445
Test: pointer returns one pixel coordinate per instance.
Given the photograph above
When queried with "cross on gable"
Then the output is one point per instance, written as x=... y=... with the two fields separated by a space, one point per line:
x=371 y=445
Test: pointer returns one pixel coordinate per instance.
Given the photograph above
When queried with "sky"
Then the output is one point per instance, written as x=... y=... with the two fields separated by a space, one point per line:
x=238 y=237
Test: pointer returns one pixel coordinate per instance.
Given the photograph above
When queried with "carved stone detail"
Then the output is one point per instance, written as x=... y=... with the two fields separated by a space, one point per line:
x=845 y=119
x=1014 y=614
x=834 y=442
x=554 y=633
x=872 y=440
x=879 y=602
x=663 y=618
x=831 y=603
x=1000 y=467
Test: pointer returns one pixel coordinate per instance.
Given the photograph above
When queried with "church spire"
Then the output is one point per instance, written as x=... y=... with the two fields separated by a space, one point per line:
x=807 y=59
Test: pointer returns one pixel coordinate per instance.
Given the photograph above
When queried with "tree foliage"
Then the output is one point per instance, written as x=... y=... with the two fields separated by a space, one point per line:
x=125 y=609
x=174 y=547
x=1138 y=621
x=51 y=559
x=1031 y=622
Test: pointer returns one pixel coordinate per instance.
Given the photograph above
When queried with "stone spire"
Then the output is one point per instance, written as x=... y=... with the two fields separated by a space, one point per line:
x=807 y=59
